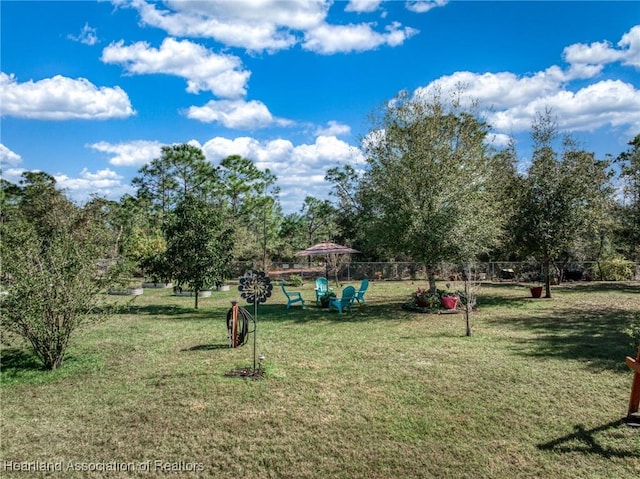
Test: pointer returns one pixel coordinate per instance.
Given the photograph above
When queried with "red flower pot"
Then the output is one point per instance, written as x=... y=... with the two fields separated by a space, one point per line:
x=450 y=302
x=536 y=292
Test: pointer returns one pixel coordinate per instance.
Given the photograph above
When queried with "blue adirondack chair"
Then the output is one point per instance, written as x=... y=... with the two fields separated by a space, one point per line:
x=322 y=287
x=293 y=297
x=363 y=289
x=348 y=295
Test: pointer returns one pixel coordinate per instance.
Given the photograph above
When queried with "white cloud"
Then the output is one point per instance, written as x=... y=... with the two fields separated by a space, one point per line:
x=497 y=90
x=423 y=6
x=362 y=6
x=238 y=114
x=254 y=25
x=270 y=25
x=511 y=101
x=62 y=98
x=329 y=39
x=334 y=128
x=300 y=169
x=588 y=60
x=86 y=36
x=13 y=175
x=104 y=183
x=133 y=153
x=610 y=102
x=8 y=157
x=204 y=70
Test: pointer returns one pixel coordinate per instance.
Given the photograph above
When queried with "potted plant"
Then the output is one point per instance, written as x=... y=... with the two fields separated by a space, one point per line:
x=126 y=287
x=536 y=291
x=423 y=298
x=449 y=300
x=325 y=298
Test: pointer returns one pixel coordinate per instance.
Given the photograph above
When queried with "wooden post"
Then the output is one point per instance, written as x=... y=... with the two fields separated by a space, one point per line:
x=634 y=400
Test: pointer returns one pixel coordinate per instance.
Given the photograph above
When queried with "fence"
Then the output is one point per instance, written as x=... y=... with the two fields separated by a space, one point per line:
x=397 y=271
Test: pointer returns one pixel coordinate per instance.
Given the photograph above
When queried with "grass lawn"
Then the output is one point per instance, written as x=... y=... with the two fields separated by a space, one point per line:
x=537 y=391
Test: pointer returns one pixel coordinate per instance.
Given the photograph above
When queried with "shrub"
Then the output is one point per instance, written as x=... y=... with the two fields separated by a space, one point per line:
x=295 y=280
x=615 y=268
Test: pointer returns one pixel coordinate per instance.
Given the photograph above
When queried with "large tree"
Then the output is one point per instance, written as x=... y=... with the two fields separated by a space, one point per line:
x=252 y=198
x=50 y=254
x=199 y=245
x=427 y=191
x=182 y=170
x=561 y=197
x=630 y=175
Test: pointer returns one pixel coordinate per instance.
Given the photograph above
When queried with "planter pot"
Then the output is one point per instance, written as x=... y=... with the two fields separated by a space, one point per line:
x=324 y=302
x=201 y=294
x=126 y=292
x=536 y=292
x=449 y=302
x=422 y=304
x=157 y=285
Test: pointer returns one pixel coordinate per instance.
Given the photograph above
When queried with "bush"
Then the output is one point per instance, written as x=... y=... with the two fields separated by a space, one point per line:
x=295 y=280
x=615 y=268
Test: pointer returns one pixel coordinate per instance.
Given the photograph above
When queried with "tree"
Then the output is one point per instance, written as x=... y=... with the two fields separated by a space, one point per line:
x=348 y=218
x=156 y=183
x=427 y=191
x=180 y=171
x=319 y=217
x=199 y=245
x=561 y=195
x=630 y=175
x=292 y=236
x=49 y=251
x=252 y=198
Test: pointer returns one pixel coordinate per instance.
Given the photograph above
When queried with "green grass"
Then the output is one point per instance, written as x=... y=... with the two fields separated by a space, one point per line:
x=537 y=391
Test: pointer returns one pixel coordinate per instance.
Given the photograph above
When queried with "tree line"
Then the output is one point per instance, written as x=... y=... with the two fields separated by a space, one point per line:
x=433 y=190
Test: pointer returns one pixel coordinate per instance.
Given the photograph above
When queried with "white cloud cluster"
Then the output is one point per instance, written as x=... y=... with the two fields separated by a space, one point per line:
x=330 y=39
x=133 y=153
x=423 y=6
x=300 y=168
x=204 y=70
x=86 y=36
x=588 y=60
x=362 y=6
x=512 y=101
x=271 y=25
x=238 y=114
x=334 y=128
x=105 y=183
x=8 y=157
x=62 y=98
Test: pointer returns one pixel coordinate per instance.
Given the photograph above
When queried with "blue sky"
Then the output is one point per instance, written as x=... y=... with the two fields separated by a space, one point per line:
x=90 y=91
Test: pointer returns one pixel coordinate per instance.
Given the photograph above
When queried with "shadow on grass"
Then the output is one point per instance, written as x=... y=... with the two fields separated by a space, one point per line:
x=207 y=347
x=14 y=360
x=597 y=337
x=585 y=441
x=158 y=310
x=623 y=287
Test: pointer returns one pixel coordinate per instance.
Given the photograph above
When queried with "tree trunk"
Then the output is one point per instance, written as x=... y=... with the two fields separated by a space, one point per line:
x=431 y=277
x=197 y=293
x=547 y=277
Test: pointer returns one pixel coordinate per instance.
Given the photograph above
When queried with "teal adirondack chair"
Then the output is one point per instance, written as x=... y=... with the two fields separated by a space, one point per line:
x=363 y=289
x=348 y=296
x=322 y=287
x=293 y=297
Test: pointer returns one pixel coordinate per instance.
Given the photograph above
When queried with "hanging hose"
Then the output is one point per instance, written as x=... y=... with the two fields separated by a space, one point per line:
x=238 y=325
